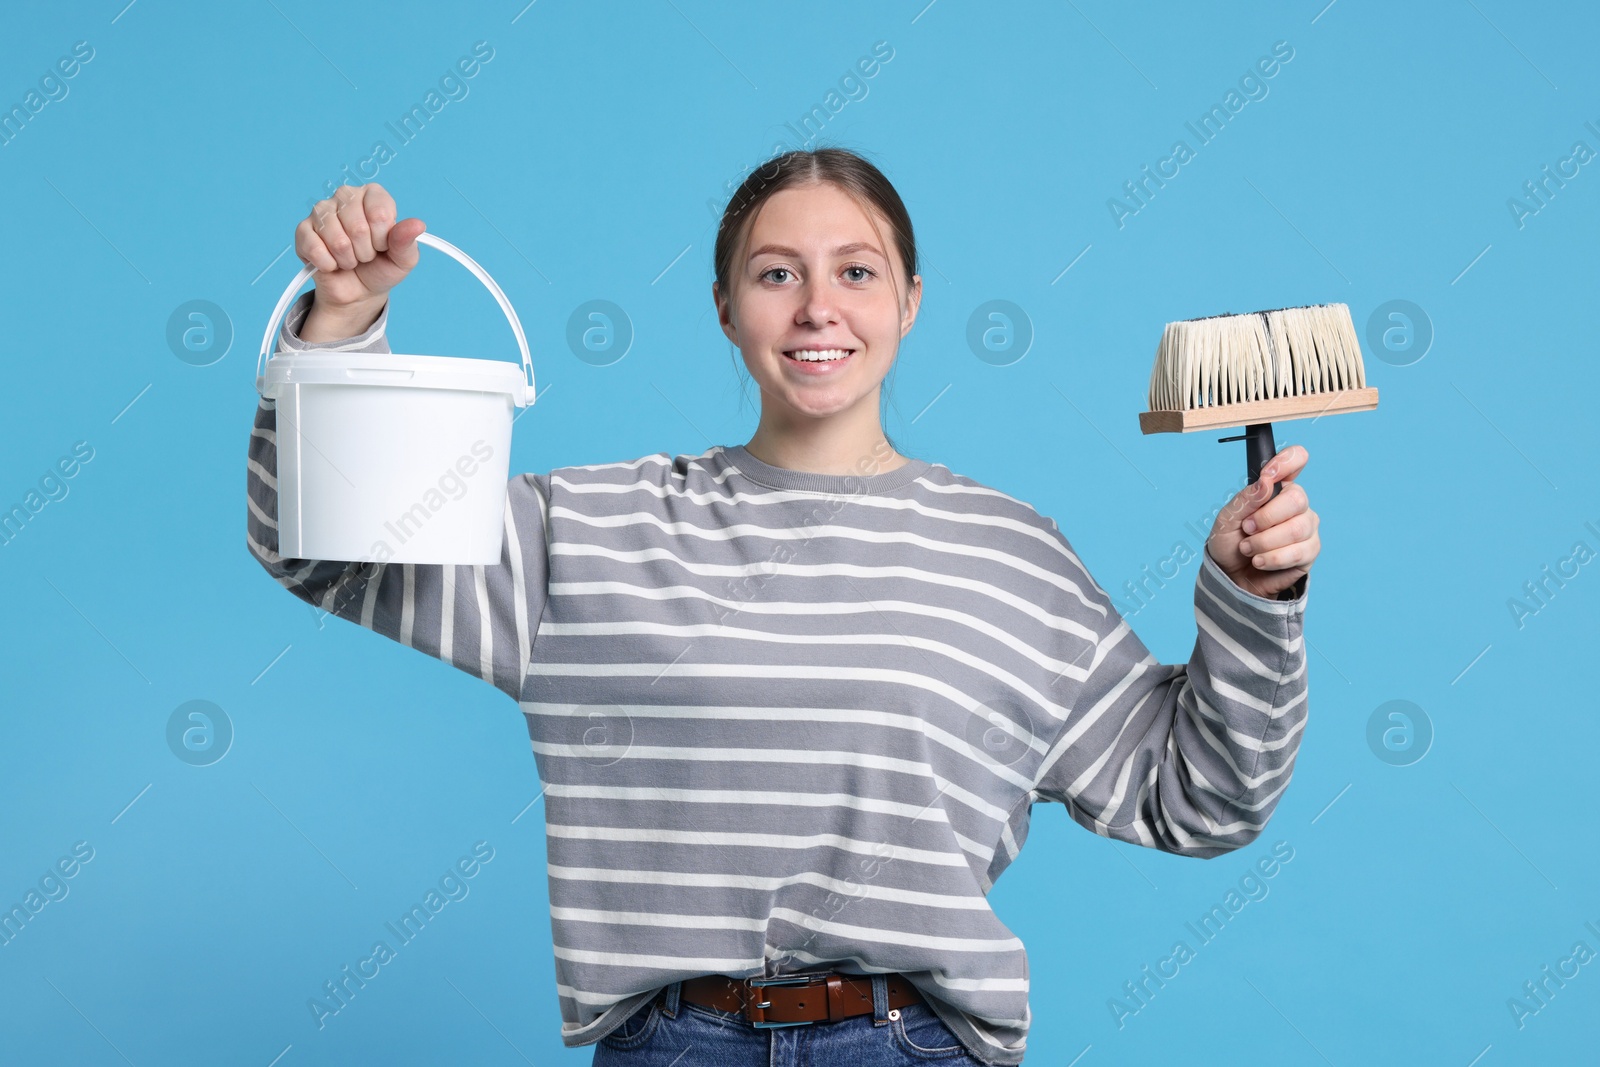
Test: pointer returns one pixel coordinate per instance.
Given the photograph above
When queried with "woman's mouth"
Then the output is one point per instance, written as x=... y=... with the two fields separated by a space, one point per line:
x=818 y=360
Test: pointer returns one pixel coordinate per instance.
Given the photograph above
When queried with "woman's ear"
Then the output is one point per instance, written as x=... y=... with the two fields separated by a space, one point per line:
x=913 y=302
x=724 y=314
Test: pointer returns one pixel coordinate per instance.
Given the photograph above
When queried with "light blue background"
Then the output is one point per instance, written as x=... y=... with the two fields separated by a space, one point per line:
x=579 y=167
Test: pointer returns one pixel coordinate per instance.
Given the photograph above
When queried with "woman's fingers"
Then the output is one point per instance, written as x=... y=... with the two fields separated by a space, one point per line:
x=1291 y=498
x=1287 y=504
x=325 y=220
x=402 y=241
x=1298 y=554
x=1238 y=506
x=1263 y=547
x=380 y=215
x=359 y=250
x=1265 y=542
x=353 y=218
x=347 y=229
x=1286 y=464
x=309 y=247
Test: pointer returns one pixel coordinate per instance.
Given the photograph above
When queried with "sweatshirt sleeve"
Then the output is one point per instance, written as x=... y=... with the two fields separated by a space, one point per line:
x=1186 y=758
x=480 y=619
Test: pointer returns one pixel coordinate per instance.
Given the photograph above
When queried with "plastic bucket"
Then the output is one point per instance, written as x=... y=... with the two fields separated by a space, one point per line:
x=393 y=458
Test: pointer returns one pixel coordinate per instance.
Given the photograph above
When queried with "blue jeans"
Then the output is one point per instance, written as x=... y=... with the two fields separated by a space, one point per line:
x=672 y=1032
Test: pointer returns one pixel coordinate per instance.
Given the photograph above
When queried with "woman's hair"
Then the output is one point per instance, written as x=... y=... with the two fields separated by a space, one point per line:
x=854 y=176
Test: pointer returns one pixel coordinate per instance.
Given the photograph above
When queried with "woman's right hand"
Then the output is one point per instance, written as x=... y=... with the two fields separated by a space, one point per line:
x=360 y=253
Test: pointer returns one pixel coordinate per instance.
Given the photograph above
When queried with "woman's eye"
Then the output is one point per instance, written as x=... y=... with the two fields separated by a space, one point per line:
x=865 y=273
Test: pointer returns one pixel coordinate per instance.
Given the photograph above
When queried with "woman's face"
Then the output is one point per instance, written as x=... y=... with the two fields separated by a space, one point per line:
x=816 y=276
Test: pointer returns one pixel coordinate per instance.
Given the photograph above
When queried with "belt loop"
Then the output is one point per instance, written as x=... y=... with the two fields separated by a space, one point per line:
x=674 y=993
x=880 y=999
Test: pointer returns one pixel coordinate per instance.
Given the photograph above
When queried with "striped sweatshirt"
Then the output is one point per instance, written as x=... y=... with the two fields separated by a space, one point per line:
x=788 y=721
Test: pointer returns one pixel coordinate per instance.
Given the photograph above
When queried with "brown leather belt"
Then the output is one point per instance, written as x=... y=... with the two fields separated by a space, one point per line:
x=820 y=996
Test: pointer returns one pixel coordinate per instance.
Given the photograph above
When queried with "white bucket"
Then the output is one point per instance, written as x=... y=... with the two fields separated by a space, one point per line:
x=393 y=458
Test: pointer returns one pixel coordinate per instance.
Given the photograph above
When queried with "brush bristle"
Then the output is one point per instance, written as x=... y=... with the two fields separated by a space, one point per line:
x=1230 y=359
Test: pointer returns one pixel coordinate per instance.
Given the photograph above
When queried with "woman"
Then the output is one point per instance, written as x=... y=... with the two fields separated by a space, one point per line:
x=792 y=701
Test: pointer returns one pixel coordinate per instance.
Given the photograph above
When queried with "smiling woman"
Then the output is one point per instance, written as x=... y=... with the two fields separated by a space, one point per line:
x=816 y=284
x=793 y=701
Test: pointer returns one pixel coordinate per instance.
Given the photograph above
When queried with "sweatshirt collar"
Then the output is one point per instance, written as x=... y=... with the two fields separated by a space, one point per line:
x=844 y=484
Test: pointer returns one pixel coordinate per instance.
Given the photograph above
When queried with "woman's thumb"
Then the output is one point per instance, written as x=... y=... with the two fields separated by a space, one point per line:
x=403 y=236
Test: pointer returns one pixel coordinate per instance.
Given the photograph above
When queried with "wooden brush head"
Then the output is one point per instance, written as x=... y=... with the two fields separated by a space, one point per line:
x=1267 y=366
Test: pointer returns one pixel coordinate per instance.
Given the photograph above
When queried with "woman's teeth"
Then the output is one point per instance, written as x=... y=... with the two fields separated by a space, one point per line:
x=820 y=355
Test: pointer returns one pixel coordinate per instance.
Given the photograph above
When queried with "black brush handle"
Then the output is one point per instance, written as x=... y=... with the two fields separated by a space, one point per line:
x=1259 y=451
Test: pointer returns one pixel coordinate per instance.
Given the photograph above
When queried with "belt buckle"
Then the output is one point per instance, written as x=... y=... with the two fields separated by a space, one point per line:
x=796 y=980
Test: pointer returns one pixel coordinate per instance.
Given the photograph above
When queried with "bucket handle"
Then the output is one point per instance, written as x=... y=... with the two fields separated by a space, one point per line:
x=525 y=400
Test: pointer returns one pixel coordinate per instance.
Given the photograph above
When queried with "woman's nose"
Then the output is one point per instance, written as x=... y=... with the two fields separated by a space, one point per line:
x=817 y=304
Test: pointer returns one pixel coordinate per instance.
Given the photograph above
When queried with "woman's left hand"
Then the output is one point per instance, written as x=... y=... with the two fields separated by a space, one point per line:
x=1263 y=542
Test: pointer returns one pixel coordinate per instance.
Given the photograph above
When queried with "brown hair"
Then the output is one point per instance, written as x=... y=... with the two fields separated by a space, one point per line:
x=854 y=176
